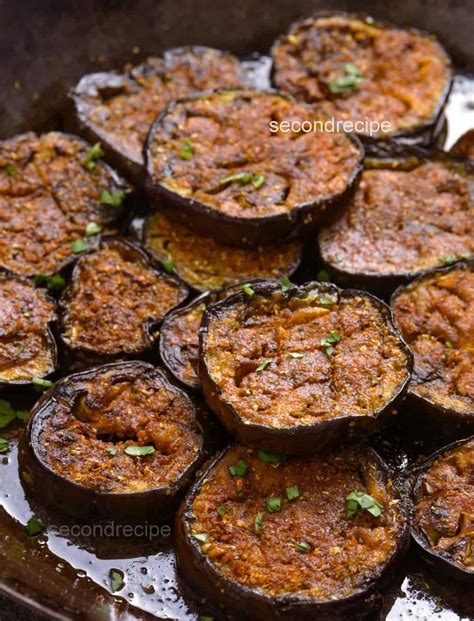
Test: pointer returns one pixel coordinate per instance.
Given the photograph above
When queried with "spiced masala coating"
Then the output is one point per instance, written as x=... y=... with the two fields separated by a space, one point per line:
x=444 y=506
x=94 y=419
x=115 y=299
x=48 y=196
x=120 y=108
x=27 y=348
x=205 y=264
x=228 y=133
x=464 y=146
x=308 y=546
x=287 y=360
x=352 y=69
x=401 y=222
x=435 y=314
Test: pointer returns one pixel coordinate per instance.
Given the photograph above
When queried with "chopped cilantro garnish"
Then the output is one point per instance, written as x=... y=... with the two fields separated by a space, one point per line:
x=139 y=451
x=329 y=341
x=112 y=450
x=273 y=504
x=54 y=282
x=238 y=469
x=350 y=81
x=34 y=526
x=292 y=492
x=93 y=154
x=271 y=457
x=10 y=170
x=258 y=181
x=4 y=445
x=242 y=177
x=201 y=537
x=79 y=245
x=264 y=364
x=116 y=580
x=360 y=500
x=112 y=199
x=285 y=283
x=222 y=510
x=186 y=152
x=41 y=384
x=303 y=546
x=92 y=229
x=247 y=289
x=258 y=523
x=295 y=354
x=168 y=264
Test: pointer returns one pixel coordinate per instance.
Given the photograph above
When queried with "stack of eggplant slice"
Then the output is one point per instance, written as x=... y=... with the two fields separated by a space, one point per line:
x=220 y=300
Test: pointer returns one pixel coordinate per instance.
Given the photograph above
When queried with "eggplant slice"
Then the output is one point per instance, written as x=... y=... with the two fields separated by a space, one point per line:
x=410 y=214
x=214 y=163
x=205 y=264
x=179 y=336
x=27 y=346
x=115 y=442
x=271 y=538
x=354 y=69
x=116 y=301
x=435 y=315
x=464 y=146
x=442 y=521
x=118 y=109
x=294 y=369
x=55 y=201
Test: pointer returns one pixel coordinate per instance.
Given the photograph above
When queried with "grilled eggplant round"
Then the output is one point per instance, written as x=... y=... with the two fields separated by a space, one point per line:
x=56 y=199
x=27 y=346
x=410 y=214
x=115 y=442
x=443 y=509
x=359 y=71
x=116 y=301
x=207 y=265
x=221 y=163
x=293 y=369
x=464 y=146
x=435 y=315
x=280 y=539
x=118 y=109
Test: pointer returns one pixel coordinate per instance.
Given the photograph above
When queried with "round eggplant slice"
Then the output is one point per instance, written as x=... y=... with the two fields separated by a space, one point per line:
x=288 y=539
x=435 y=315
x=115 y=442
x=27 y=346
x=115 y=302
x=464 y=146
x=294 y=369
x=56 y=199
x=359 y=71
x=442 y=520
x=179 y=336
x=409 y=215
x=215 y=163
x=118 y=109
x=205 y=264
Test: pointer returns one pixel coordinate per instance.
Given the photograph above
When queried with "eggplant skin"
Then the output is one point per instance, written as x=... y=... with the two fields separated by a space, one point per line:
x=118 y=109
x=451 y=412
x=278 y=210
x=26 y=332
x=439 y=560
x=108 y=286
x=297 y=438
x=381 y=252
x=232 y=600
x=313 y=84
x=88 y=502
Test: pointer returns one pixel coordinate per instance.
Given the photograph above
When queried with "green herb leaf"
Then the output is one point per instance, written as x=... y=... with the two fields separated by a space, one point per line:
x=273 y=504
x=247 y=289
x=222 y=510
x=350 y=81
x=327 y=300
x=238 y=469
x=264 y=364
x=286 y=284
x=304 y=546
x=25 y=313
x=272 y=457
x=334 y=337
x=4 y=446
x=112 y=450
x=360 y=500
x=139 y=451
x=292 y=492
x=116 y=580
x=168 y=264
x=34 y=526
x=7 y=413
x=54 y=282
x=296 y=355
x=186 y=152
x=112 y=199
x=449 y=345
x=258 y=523
x=10 y=170
x=41 y=384
x=93 y=154
x=79 y=245
x=92 y=229
x=258 y=181
x=242 y=177
x=201 y=537
x=448 y=259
